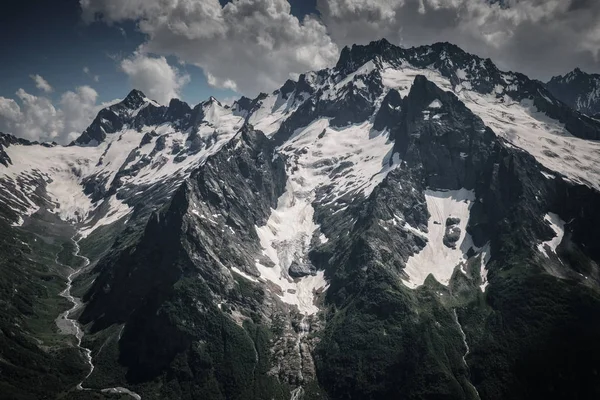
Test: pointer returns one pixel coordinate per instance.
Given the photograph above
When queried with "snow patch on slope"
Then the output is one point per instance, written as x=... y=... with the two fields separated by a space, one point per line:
x=117 y=210
x=402 y=78
x=435 y=104
x=286 y=238
x=350 y=162
x=522 y=125
x=436 y=258
x=273 y=111
x=558 y=226
x=486 y=255
x=61 y=168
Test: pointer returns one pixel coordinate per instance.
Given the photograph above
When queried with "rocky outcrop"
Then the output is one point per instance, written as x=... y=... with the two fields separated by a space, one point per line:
x=453 y=231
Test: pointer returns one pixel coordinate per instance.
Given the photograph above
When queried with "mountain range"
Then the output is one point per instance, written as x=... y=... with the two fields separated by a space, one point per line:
x=408 y=224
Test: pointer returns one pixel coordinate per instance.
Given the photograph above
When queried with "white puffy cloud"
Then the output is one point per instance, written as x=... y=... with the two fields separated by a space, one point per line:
x=37 y=118
x=41 y=83
x=78 y=110
x=154 y=76
x=253 y=45
x=9 y=109
x=538 y=37
x=245 y=45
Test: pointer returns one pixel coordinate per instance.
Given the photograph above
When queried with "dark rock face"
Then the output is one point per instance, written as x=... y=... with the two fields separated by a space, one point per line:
x=353 y=58
x=453 y=231
x=577 y=89
x=355 y=104
x=160 y=144
x=148 y=116
x=451 y=236
x=288 y=87
x=452 y=221
x=298 y=270
x=174 y=270
x=137 y=111
x=107 y=121
x=446 y=142
x=389 y=112
x=178 y=111
x=113 y=118
x=245 y=106
x=304 y=86
x=147 y=139
x=135 y=99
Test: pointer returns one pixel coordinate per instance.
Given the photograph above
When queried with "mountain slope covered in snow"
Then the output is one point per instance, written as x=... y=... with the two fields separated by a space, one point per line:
x=409 y=223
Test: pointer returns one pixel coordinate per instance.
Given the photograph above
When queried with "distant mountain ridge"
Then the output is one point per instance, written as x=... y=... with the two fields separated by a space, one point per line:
x=579 y=90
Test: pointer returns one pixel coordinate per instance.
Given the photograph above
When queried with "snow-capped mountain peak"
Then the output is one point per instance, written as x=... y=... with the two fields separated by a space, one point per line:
x=115 y=117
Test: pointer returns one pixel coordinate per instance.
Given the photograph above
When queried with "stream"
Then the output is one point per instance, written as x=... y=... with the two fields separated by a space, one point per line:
x=70 y=326
x=304 y=329
x=464 y=358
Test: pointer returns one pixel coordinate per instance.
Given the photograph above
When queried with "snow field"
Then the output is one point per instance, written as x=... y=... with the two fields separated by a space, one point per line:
x=314 y=152
x=436 y=258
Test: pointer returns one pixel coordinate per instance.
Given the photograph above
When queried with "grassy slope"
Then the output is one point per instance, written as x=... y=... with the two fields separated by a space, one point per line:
x=36 y=361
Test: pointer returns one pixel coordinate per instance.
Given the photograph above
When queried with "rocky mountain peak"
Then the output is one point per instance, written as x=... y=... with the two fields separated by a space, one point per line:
x=353 y=57
x=212 y=100
x=177 y=110
x=115 y=117
x=134 y=99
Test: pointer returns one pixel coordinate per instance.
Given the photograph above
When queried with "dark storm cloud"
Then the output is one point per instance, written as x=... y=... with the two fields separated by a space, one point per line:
x=538 y=37
x=252 y=45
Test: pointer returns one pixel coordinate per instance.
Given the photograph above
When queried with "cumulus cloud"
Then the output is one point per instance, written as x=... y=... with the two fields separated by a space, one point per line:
x=155 y=77
x=538 y=37
x=37 y=118
x=246 y=45
x=252 y=45
x=41 y=83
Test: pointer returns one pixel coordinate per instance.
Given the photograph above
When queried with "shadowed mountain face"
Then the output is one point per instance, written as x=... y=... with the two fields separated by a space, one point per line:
x=412 y=223
x=578 y=90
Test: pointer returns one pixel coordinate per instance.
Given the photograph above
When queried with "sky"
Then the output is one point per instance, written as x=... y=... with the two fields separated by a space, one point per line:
x=62 y=61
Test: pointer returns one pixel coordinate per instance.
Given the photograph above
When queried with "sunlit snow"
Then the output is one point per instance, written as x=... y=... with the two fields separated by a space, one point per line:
x=486 y=255
x=558 y=226
x=287 y=235
x=436 y=258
